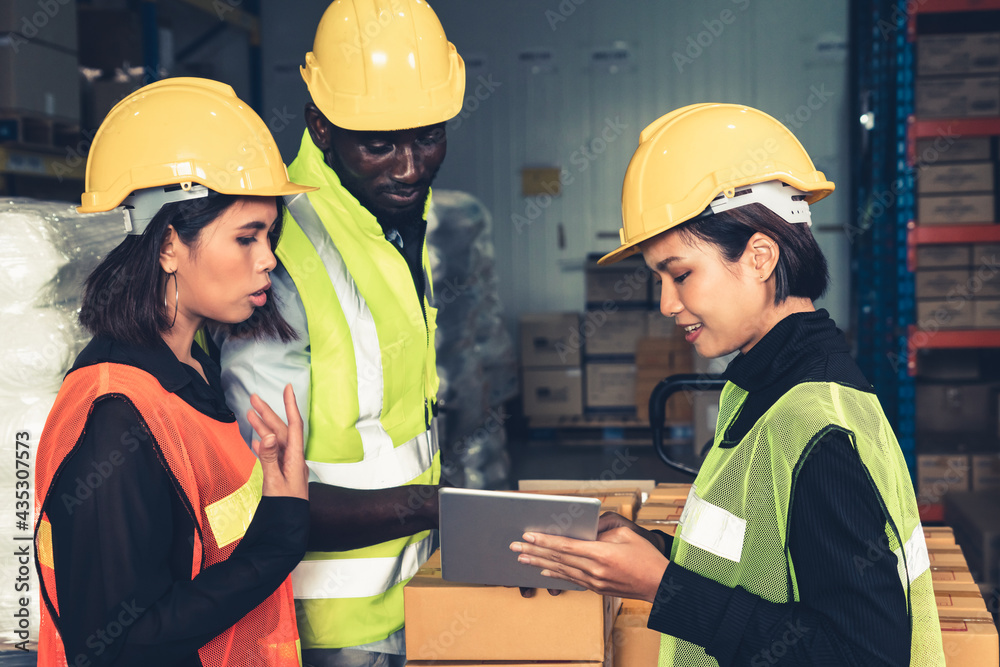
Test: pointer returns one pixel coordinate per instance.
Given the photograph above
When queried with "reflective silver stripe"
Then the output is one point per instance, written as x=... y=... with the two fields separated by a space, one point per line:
x=364 y=337
x=394 y=467
x=357 y=577
x=712 y=528
x=918 y=560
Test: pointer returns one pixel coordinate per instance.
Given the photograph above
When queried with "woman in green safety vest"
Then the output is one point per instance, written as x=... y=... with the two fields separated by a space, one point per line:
x=800 y=541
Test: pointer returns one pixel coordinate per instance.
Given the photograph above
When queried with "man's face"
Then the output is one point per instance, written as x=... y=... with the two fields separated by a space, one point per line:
x=390 y=173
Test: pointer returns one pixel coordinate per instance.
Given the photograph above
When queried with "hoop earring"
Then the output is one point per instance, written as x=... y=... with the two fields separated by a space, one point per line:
x=176 y=294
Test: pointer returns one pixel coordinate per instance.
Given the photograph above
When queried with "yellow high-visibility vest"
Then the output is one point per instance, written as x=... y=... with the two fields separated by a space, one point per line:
x=373 y=383
x=734 y=526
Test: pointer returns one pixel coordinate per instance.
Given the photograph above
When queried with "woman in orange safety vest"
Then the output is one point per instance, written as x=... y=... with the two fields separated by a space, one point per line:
x=161 y=539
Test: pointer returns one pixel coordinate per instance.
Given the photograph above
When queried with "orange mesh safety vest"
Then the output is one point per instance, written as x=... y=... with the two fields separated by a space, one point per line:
x=218 y=476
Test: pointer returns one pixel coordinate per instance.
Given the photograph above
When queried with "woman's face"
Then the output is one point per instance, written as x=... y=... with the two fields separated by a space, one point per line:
x=721 y=306
x=223 y=276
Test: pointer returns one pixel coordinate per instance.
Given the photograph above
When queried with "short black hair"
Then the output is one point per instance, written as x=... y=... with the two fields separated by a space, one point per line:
x=123 y=297
x=802 y=269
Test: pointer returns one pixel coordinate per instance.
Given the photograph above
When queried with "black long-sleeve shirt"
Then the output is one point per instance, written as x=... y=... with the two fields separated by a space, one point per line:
x=852 y=609
x=123 y=537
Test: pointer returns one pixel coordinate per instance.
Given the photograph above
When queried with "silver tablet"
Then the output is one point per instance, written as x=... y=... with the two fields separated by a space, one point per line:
x=477 y=528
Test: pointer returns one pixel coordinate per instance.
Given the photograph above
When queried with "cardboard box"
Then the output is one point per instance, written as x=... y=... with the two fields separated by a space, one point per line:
x=944 y=149
x=986 y=314
x=50 y=23
x=666 y=513
x=610 y=386
x=614 y=333
x=942 y=534
x=955 y=210
x=555 y=392
x=985 y=254
x=985 y=472
x=951 y=575
x=38 y=79
x=952 y=602
x=644 y=486
x=970 y=638
x=945 y=314
x=625 y=282
x=450 y=621
x=635 y=644
x=946 y=255
x=667 y=355
x=962 y=53
x=938 y=475
x=550 y=340
x=966 y=408
x=984 y=282
x=958 y=97
x=940 y=284
x=957 y=177
x=674 y=492
x=947 y=559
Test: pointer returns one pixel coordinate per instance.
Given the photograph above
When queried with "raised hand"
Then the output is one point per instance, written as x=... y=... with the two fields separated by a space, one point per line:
x=280 y=449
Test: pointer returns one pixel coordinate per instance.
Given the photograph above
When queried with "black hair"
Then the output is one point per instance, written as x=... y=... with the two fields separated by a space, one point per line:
x=124 y=296
x=801 y=270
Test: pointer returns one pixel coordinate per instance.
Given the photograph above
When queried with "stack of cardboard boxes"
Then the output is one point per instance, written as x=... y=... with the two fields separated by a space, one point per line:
x=614 y=353
x=458 y=625
x=967 y=627
x=958 y=75
x=958 y=284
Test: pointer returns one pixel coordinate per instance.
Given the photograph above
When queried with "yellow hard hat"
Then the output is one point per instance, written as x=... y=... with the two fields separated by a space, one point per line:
x=183 y=131
x=384 y=65
x=703 y=152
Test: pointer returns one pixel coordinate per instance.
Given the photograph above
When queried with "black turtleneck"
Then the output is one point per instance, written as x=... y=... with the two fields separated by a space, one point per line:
x=851 y=609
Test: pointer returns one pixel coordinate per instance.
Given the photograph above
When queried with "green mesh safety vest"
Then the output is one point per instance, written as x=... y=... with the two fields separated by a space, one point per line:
x=734 y=528
x=373 y=382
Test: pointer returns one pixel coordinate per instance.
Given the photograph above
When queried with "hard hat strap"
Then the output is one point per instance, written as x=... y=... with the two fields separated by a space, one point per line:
x=142 y=205
x=781 y=198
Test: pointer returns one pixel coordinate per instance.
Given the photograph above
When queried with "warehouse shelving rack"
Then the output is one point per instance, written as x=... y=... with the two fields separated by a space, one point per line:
x=886 y=236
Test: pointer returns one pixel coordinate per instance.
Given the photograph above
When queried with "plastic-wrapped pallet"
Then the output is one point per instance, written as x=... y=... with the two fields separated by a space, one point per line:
x=475 y=354
x=46 y=252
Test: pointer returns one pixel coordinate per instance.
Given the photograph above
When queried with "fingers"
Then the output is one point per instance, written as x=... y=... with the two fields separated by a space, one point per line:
x=266 y=450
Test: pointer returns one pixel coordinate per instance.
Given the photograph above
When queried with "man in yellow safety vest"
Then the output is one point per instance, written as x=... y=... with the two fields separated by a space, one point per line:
x=353 y=280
